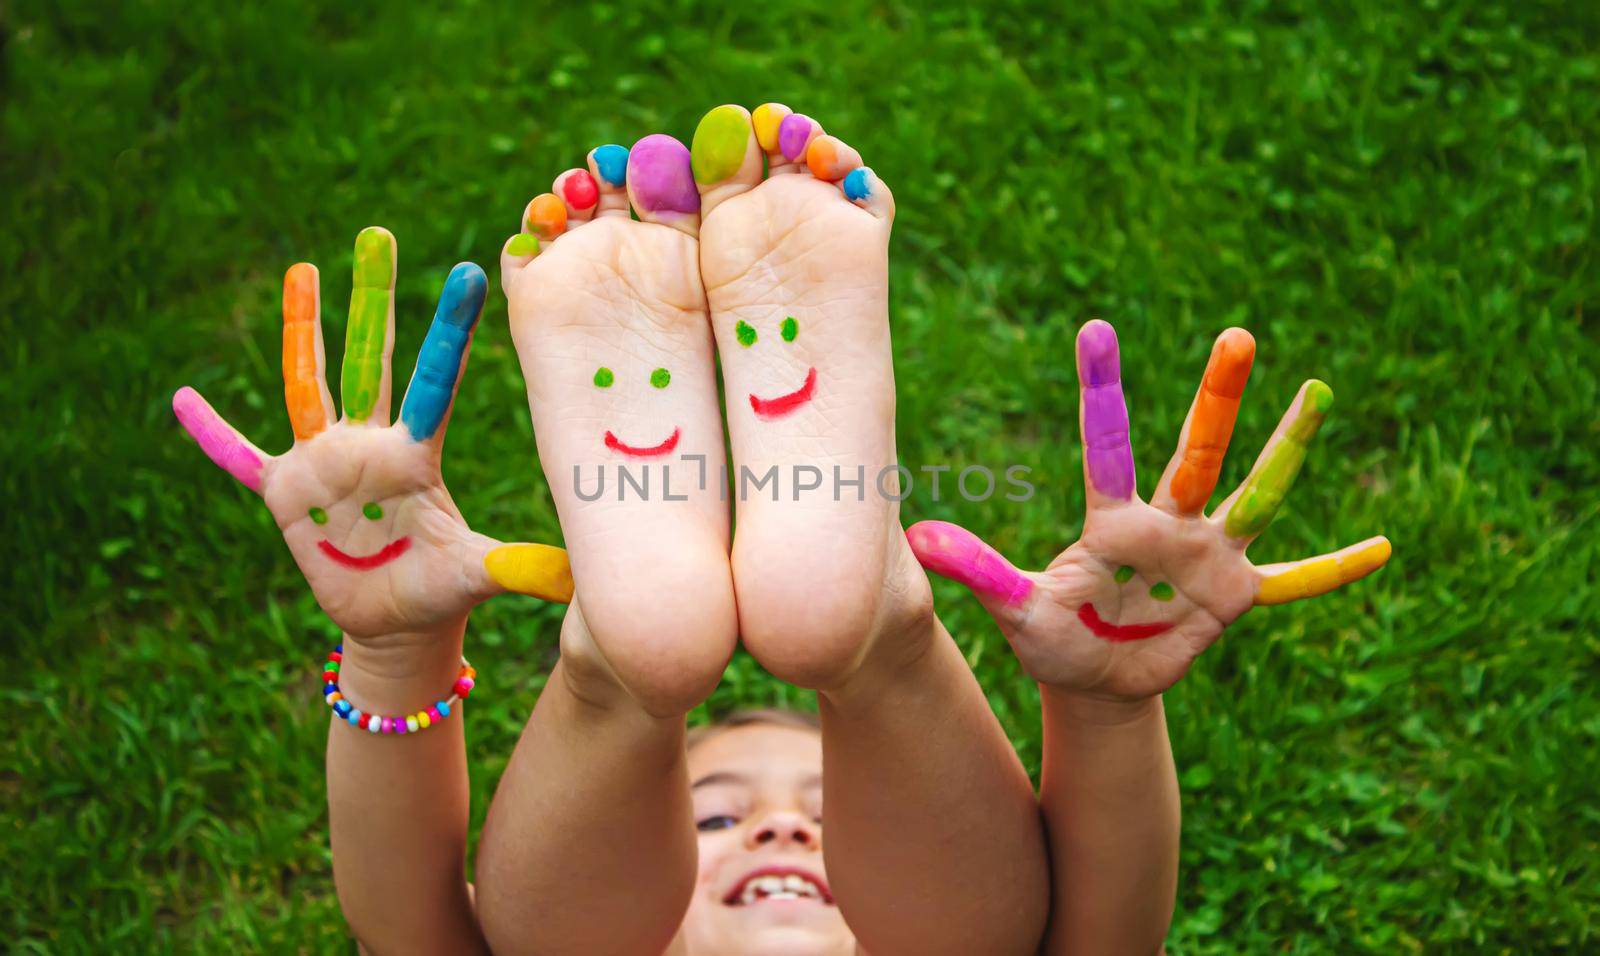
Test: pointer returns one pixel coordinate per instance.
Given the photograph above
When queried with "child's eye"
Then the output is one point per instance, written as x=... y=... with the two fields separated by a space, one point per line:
x=1161 y=591
x=318 y=516
x=745 y=333
x=603 y=377
x=660 y=378
x=372 y=510
x=789 y=329
x=719 y=822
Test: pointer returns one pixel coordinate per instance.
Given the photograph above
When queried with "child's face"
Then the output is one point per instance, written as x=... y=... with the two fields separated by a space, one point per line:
x=758 y=807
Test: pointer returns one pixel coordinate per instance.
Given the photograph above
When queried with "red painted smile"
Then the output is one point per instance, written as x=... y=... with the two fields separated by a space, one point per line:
x=784 y=404
x=633 y=451
x=392 y=550
x=1118 y=632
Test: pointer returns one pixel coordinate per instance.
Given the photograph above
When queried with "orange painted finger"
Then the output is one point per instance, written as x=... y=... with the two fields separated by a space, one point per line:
x=305 y=390
x=1294 y=580
x=1211 y=418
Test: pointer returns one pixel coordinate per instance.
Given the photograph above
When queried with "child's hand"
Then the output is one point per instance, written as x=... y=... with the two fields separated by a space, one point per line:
x=361 y=502
x=1147 y=587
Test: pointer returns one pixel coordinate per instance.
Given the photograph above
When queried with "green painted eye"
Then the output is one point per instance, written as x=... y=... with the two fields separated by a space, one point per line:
x=603 y=377
x=660 y=378
x=318 y=516
x=372 y=510
x=745 y=333
x=789 y=329
x=1161 y=591
x=1124 y=574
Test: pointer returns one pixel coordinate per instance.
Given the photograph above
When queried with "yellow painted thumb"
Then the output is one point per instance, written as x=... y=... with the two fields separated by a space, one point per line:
x=536 y=569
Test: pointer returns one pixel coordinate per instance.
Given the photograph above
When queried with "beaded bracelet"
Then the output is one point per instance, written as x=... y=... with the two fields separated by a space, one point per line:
x=409 y=724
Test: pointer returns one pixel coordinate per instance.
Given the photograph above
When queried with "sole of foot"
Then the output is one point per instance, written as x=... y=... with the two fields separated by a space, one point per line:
x=794 y=244
x=609 y=318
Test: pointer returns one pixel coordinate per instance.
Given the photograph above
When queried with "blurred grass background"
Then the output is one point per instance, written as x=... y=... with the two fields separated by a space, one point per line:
x=1399 y=199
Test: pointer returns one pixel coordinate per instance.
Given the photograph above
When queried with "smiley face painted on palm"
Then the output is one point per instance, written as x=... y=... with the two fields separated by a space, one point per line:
x=372 y=511
x=604 y=377
x=1118 y=633
x=778 y=406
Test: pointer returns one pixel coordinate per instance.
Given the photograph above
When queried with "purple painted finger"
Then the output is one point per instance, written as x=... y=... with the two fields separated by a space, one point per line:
x=1107 y=451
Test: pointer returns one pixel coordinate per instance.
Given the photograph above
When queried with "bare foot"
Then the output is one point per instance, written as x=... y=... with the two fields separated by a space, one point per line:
x=795 y=261
x=609 y=319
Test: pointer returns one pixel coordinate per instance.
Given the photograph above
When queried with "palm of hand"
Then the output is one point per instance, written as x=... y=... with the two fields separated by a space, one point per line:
x=1124 y=611
x=361 y=503
x=368 y=519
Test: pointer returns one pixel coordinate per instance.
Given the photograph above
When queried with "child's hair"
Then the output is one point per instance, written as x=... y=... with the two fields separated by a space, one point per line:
x=754 y=717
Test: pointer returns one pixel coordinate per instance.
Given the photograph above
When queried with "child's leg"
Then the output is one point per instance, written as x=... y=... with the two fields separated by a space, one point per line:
x=933 y=837
x=589 y=846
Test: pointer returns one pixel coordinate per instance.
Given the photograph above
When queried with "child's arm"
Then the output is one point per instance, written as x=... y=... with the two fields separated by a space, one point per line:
x=365 y=513
x=1118 y=618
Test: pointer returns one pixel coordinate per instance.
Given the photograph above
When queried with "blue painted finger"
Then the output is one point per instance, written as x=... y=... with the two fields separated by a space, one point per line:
x=433 y=384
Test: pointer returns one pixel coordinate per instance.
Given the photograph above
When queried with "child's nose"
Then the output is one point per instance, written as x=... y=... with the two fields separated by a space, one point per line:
x=786 y=828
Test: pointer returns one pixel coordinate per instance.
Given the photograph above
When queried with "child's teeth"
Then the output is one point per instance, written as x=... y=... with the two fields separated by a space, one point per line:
x=794 y=883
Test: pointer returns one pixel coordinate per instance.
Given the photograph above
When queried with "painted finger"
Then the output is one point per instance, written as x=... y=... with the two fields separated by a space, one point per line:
x=1295 y=580
x=1249 y=510
x=1103 y=417
x=953 y=552
x=432 y=391
x=221 y=442
x=537 y=569
x=305 y=385
x=1191 y=476
x=369 y=335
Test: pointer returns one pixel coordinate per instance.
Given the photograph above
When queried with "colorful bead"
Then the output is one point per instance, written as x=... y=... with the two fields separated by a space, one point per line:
x=400 y=725
x=336 y=656
x=443 y=707
x=342 y=708
x=374 y=723
x=379 y=724
x=412 y=726
x=388 y=725
x=338 y=648
x=464 y=686
x=332 y=665
x=329 y=689
x=354 y=716
x=434 y=716
x=422 y=720
x=335 y=697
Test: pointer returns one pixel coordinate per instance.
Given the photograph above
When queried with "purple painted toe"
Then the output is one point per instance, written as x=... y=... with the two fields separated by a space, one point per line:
x=792 y=135
x=659 y=176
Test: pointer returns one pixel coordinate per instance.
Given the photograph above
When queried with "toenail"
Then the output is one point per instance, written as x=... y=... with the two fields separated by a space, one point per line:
x=611 y=162
x=546 y=216
x=659 y=175
x=856 y=186
x=523 y=244
x=579 y=190
x=766 y=120
x=718 y=147
x=793 y=134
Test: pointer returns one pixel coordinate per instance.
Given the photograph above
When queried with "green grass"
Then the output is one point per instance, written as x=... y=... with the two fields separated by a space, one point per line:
x=1396 y=198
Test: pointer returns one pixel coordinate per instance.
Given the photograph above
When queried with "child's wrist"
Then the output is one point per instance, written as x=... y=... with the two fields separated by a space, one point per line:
x=399 y=673
x=1088 y=709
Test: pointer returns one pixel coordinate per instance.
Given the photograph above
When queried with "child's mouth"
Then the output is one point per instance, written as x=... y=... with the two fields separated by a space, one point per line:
x=367 y=562
x=1118 y=632
x=768 y=408
x=634 y=451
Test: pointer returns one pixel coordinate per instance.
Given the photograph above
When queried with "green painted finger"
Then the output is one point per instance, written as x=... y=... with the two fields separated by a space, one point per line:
x=366 y=340
x=1274 y=473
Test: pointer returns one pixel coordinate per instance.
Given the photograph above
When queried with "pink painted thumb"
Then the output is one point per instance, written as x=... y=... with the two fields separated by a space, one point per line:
x=953 y=552
x=217 y=439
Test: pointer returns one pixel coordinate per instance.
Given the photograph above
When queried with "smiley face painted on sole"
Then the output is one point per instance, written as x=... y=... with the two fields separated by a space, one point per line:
x=1118 y=633
x=660 y=378
x=768 y=408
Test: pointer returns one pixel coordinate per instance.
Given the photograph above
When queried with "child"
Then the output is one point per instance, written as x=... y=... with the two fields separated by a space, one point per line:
x=609 y=832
